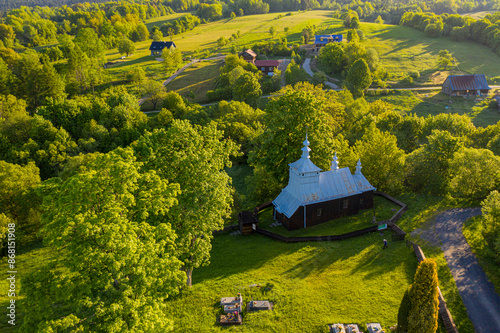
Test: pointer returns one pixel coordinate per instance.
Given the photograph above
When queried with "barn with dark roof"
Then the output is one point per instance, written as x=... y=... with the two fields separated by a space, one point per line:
x=465 y=85
x=313 y=197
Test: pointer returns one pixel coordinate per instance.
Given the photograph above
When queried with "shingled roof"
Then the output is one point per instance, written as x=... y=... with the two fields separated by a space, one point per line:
x=468 y=82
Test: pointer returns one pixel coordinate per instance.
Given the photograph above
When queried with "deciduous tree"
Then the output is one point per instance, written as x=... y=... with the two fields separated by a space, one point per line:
x=116 y=262
x=126 y=46
x=358 y=78
x=474 y=173
x=193 y=157
x=382 y=160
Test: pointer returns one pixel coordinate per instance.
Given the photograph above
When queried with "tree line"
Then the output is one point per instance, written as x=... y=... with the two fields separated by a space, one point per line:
x=460 y=28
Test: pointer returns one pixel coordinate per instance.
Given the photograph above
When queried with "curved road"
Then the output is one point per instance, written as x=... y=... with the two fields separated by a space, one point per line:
x=478 y=294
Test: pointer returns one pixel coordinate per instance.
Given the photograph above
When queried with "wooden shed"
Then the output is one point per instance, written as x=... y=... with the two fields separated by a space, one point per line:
x=313 y=197
x=466 y=85
x=247 y=221
x=248 y=55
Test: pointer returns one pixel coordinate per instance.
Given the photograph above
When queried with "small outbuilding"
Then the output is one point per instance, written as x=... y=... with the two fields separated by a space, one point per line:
x=321 y=40
x=466 y=85
x=156 y=48
x=313 y=197
x=248 y=55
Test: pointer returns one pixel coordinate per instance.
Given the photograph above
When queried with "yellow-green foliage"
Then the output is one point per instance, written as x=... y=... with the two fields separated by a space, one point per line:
x=424 y=294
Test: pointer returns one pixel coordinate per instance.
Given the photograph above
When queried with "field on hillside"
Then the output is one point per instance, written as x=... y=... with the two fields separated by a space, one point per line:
x=198 y=78
x=432 y=103
x=402 y=50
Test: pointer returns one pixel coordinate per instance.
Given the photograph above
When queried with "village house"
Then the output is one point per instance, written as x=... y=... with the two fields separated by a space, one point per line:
x=322 y=40
x=267 y=67
x=313 y=197
x=465 y=85
x=156 y=48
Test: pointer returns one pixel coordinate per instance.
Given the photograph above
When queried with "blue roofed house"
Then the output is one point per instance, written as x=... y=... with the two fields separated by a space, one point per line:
x=156 y=48
x=321 y=40
x=313 y=196
x=465 y=85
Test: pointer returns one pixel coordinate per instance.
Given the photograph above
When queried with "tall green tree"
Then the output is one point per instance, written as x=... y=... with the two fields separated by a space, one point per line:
x=423 y=316
x=247 y=89
x=382 y=160
x=427 y=168
x=116 y=264
x=474 y=173
x=126 y=46
x=36 y=82
x=172 y=58
x=195 y=158
x=445 y=59
x=358 y=78
x=287 y=119
x=332 y=55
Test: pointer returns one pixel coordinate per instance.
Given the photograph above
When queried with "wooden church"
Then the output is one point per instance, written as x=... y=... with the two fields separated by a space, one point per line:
x=313 y=197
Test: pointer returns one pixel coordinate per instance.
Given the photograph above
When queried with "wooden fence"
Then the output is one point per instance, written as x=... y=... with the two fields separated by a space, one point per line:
x=315 y=238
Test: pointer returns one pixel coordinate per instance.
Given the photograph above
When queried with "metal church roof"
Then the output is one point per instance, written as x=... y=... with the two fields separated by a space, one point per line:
x=307 y=185
x=468 y=82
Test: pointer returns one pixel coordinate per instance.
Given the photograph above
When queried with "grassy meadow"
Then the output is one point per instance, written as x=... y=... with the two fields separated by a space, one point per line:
x=432 y=103
x=403 y=50
x=198 y=78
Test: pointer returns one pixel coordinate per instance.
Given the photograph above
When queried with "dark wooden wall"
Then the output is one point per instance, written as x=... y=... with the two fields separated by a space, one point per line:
x=325 y=211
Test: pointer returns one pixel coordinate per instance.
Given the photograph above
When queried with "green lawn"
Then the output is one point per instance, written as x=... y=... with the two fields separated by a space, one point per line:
x=310 y=284
x=473 y=232
x=28 y=259
x=383 y=210
x=198 y=78
x=433 y=103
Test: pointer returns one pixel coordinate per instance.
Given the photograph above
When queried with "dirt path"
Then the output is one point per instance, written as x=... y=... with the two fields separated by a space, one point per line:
x=478 y=294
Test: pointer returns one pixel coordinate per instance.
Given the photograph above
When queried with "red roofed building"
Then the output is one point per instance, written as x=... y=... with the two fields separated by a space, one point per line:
x=465 y=85
x=267 y=67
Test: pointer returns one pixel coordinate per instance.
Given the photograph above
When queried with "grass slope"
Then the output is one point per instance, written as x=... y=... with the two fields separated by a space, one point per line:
x=198 y=78
x=402 y=50
x=433 y=103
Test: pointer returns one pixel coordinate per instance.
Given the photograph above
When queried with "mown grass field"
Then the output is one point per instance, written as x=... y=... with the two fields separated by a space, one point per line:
x=198 y=78
x=403 y=50
x=433 y=103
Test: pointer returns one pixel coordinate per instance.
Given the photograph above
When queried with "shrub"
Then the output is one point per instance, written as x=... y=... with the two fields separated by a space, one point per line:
x=423 y=316
x=225 y=93
x=415 y=74
x=407 y=80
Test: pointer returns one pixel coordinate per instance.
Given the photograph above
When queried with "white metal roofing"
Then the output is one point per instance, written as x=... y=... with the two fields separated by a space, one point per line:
x=307 y=185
